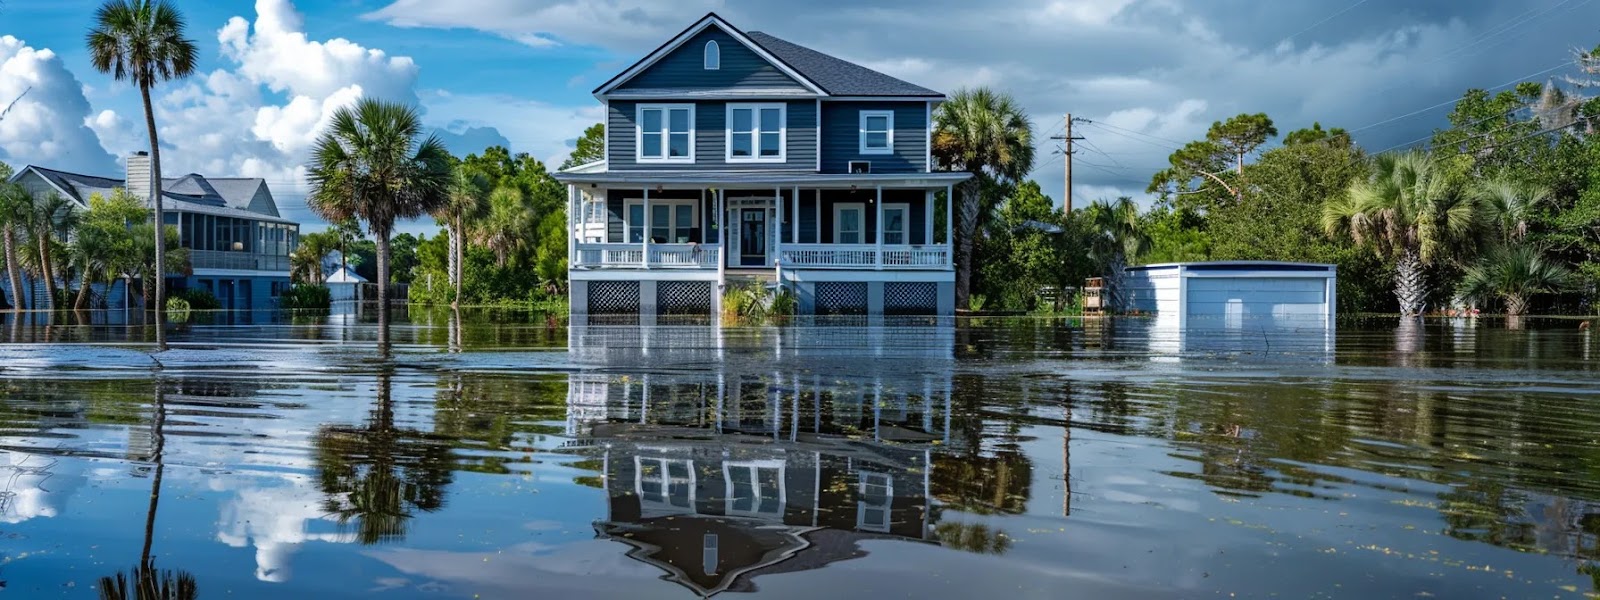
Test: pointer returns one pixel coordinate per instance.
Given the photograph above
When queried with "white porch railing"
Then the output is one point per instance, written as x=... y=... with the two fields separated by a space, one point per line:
x=631 y=256
x=864 y=256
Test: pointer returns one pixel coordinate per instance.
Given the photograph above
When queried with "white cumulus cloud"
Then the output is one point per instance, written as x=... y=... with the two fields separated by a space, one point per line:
x=50 y=124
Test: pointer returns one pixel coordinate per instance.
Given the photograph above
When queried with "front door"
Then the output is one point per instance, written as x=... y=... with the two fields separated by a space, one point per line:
x=753 y=237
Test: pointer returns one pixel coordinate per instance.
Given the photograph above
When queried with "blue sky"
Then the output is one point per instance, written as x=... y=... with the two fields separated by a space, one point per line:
x=1151 y=73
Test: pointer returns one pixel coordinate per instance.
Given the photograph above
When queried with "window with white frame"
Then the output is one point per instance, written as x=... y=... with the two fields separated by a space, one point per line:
x=877 y=132
x=669 y=222
x=755 y=488
x=756 y=132
x=876 y=492
x=713 y=56
x=896 y=224
x=664 y=482
x=849 y=222
x=666 y=133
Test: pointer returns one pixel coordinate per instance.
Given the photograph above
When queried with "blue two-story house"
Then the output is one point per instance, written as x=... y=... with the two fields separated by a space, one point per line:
x=738 y=155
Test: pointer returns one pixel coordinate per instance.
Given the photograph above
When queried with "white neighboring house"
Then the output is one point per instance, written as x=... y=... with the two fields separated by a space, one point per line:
x=344 y=285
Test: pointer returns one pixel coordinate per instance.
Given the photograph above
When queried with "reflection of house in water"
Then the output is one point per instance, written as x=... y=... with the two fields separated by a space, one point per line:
x=721 y=477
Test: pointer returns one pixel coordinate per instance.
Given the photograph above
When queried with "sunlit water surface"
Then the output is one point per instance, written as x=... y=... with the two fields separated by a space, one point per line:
x=506 y=455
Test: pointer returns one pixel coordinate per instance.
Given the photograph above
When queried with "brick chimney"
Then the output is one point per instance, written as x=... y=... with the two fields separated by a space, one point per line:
x=139 y=176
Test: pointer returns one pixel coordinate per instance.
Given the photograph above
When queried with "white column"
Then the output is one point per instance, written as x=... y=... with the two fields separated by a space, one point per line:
x=644 y=255
x=722 y=242
x=949 y=224
x=777 y=229
x=572 y=230
x=878 y=226
x=795 y=228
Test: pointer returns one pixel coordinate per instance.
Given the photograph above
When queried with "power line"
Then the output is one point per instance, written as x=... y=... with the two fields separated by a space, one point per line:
x=1319 y=23
x=1449 y=102
x=1154 y=137
x=1136 y=139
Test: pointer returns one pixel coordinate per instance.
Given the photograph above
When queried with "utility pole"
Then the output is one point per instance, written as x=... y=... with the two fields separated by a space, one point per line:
x=1066 y=154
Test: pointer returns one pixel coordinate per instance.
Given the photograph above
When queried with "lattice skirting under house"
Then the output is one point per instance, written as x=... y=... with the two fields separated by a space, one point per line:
x=841 y=298
x=613 y=297
x=910 y=298
x=683 y=298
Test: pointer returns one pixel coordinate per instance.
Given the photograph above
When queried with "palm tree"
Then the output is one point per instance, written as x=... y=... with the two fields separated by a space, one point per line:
x=1409 y=210
x=142 y=41
x=370 y=165
x=1509 y=205
x=1116 y=238
x=49 y=214
x=987 y=134
x=146 y=581
x=308 y=257
x=1514 y=274
x=14 y=203
x=148 y=264
x=467 y=201
x=507 y=224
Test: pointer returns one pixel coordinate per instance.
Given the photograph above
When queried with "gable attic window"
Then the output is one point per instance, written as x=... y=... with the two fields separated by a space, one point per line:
x=877 y=132
x=666 y=133
x=713 y=56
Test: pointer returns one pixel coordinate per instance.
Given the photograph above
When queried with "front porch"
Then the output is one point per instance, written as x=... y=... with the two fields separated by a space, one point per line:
x=880 y=228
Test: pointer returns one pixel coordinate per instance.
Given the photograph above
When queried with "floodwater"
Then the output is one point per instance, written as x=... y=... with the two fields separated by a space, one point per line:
x=506 y=455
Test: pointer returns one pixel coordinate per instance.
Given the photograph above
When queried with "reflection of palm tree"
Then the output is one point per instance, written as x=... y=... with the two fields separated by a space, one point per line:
x=976 y=538
x=379 y=476
x=145 y=581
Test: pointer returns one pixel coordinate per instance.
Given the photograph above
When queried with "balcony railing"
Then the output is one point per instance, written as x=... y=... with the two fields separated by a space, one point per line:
x=664 y=256
x=238 y=261
x=791 y=256
x=864 y=256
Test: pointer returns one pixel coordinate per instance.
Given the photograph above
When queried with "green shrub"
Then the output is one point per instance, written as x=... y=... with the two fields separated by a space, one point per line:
x=196 y=299
x=306 y=297
x=976 y=302
x=754 y=303
x=177 y=309
x=784 y=304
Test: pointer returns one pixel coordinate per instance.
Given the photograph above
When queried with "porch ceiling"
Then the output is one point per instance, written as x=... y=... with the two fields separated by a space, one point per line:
x=734 y=179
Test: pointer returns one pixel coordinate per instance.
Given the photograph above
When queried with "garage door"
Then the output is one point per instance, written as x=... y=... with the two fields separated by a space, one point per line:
x=1257 y=302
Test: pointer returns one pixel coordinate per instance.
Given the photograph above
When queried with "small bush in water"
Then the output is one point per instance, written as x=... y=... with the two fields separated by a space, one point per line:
x=177 y=309
x=197 y=299
x=306 y=297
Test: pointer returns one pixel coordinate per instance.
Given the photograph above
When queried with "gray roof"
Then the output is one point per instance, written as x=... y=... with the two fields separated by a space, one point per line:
x=836 y=76
x=223 y=196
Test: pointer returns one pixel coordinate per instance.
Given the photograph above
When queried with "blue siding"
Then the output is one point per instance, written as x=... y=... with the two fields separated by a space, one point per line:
x=841 y=137
x=684 y=68
x=916 y=228
x=710 y=139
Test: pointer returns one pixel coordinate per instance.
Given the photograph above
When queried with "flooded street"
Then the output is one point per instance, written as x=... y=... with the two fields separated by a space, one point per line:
x=505 y=455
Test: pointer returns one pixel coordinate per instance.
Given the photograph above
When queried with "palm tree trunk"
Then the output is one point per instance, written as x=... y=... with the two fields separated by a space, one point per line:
x=966 y=231
x=83 y=292
x=46 y=270
x=455 y=261
x=160 y=221
x=1408 y=283
x=1516 y=305
x=12 y=271
x=382 y=233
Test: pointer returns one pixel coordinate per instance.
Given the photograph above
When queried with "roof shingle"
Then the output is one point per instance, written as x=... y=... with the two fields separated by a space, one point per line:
x=836 y=76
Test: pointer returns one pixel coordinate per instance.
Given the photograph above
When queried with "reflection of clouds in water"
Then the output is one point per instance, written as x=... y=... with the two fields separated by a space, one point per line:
x=277 y=520
x=32 y=486
x=587 y=568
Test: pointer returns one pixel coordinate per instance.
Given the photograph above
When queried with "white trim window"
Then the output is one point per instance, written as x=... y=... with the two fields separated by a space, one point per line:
x=757 y=132
x=713 y=56
x=664 y=483
x=670 y=221
x=877 y=132
x=896 y=224
x=754 y=488
x=849 y=223
x=874 y=502
x=665 y=133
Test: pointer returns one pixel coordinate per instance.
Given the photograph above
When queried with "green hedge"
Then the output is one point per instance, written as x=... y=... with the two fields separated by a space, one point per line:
x=306 y=297
x=198 y=299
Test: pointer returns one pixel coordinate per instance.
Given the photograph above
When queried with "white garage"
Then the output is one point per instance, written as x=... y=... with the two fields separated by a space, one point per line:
x=1234 y=295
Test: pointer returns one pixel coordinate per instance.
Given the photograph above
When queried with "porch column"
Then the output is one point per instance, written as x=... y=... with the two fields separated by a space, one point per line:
x=795 y=230
x=927 y=218
x=722 y=246
x=818 y=193
x=644 y=254
x=572 y=230
x=777 y=230
x=878 y=255
x=949 y=224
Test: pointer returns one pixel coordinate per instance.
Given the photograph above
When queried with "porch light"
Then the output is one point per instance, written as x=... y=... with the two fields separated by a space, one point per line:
x=238 y=246
x=658 y=188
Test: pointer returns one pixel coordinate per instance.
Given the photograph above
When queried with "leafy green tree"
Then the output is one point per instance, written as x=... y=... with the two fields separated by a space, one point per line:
x=1199 y=177
x=1315 y=134
x=1514 y=274
x=404 y=261
x=372 y=164
x=314 y=248
x=1116 y=237
x=142 y=41
x=1410 y=211
x=102 y=248
x=1023 y=251
x=591 y=147
x=987 y=134
x=468 y=200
